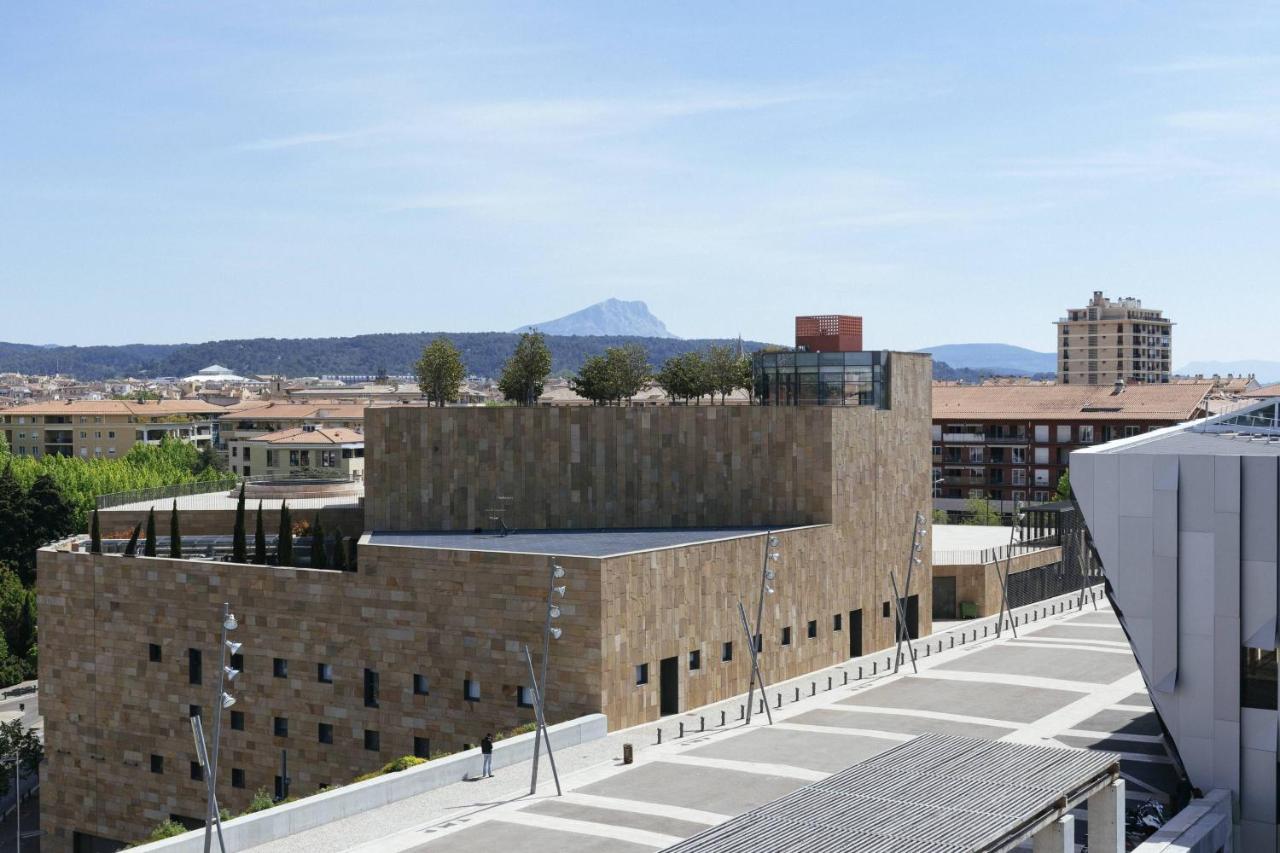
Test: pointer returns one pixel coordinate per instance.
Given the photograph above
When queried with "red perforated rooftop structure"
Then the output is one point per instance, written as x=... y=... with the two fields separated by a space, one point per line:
x=829 y=333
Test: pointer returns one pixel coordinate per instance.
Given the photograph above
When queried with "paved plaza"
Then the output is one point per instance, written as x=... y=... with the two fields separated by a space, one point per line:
x=1067 y=680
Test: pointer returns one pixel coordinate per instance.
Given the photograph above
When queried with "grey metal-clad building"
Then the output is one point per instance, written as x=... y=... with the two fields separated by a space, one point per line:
x=1185 y=522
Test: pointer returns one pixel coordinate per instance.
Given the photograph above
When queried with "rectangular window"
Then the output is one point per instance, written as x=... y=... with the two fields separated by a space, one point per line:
x=157 y=763
x=324 y=733
x=1042 y=434
x=235 y=451
x=975 y=455
x=111 y=434
x=695 y=660
x=324 y=673
x=247 y=460
x=197 y=772
x=280 y=726
x=371 y=689
x=271 y=458
x=421 y=685
x=1086 y=435
x=328 y=459
x=524 y=697
x=1258 y=678
x=279 y=788
x=421 y=747
x=642 y=673
x=279 y=667
x=237 y=720
x=371 y=740
x=194 y=711
x=237 y=777
x=153 y=652
x=726 y=652
x=1042 y=455
x=786 y=636
x=1019 y=477
x=1131 y=431
x=471 y=690
x=1018 y=455
x=1064 y=433
x=884 y=610
x=837 y=622
x=1041 y=477
x=194 y=673
x=813 y=628
x=293 y=458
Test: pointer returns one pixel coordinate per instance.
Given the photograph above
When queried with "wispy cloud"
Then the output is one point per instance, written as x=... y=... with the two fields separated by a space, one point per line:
x=1263 y=121
x=305 y=139
x=1201 y=64
x=1110 y=165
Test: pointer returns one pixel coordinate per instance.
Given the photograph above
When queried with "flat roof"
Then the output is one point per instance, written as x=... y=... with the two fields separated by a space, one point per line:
x=963 y=537
x=568 y=543
x=934 y=794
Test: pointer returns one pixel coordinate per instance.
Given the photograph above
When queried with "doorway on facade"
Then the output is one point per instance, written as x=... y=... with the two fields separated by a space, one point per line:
x=669 y=685
x=944 y=597
x=912 y=609
x=855 y=633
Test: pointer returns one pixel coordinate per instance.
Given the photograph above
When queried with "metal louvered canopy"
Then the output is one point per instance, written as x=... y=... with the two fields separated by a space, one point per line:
x=933 y=794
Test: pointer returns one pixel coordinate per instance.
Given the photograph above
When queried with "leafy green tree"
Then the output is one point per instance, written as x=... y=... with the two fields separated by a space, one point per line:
x=239 y=547
x=17 y=739
x=284 y=548
x=259 y=540
x=319 y=559
x=210 y=460
x=440 y=371
x=746 y=377
x=13 y=604
x=685 y=377
x=149 y=544
x=175 y=534
x=95 y=534
x=1064 y=487
x=526 y=371
x=614 y=377
x=724 y=371
x=940 y=517
x=979 y=512
x=14 y=522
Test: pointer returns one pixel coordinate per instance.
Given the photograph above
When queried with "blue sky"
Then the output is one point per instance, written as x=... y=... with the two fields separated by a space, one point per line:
x=952 y=171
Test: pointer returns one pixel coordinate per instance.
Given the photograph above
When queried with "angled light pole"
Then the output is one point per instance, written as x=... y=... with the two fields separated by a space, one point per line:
x=1004 y=578
x=549 y=632
x=904 y=632
x=209 y=759
x=766 y=575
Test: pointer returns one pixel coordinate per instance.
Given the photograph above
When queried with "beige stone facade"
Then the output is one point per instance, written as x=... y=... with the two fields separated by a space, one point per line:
x=979 y=583
x=844 y=483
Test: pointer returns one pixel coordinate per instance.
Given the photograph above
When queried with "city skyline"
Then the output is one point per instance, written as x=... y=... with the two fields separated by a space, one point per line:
x=201 y=175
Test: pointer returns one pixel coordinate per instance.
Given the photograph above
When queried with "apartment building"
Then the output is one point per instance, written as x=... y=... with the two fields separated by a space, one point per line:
x=245 y=422
x=1008 y=444
x=105 y=428
x=301 y=451
x=1108 y=341
x=660 y=516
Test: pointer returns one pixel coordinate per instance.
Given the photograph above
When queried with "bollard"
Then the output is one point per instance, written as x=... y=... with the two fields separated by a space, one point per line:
x=984 y=632
x=761 y=711
x=722 y=717
x=873 y=667
x=927 y=649
x=681 y=729
x=779 y=703
x=813 y=688
x=828 y=682
x=742 y=712
x=797 y=699
x=627 y=756
x=953 y=641
x=659 y=737
x=702 y=724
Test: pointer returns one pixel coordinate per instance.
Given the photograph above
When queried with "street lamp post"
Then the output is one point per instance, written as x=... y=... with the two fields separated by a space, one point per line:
x=549 y=632
x=766 y=574
x=209 y=759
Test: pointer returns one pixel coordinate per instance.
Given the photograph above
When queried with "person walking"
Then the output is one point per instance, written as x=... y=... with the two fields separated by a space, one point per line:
x=486 y=749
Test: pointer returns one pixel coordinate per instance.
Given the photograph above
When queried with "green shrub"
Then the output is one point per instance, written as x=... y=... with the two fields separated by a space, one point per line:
x=261 y=801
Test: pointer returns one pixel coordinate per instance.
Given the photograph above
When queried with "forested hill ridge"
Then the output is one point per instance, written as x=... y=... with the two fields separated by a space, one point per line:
x=484 y=353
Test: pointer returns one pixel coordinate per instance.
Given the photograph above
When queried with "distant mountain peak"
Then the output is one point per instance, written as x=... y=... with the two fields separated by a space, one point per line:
x=610 y=317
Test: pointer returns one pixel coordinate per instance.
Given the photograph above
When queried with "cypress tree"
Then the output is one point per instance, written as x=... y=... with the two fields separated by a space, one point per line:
x=149 y=545
x=319 y=559
x=339 y=551
x=284 y=548
x=95 y=534
x=259 y=540
x=239 y=553
x=131 y=549
x=175 y=535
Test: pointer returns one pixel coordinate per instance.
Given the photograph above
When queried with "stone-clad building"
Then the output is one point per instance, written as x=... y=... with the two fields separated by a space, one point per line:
x=659 y=517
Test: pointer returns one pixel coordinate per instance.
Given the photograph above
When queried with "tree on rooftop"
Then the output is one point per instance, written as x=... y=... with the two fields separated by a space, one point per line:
x=175 y=535
x=259 y=540
x=239 y=549
x=526 y=371
x=284 y=547
x=95 y=534
x=131 y=549
x=319 y=558
x=149 y=544
x=440 y=371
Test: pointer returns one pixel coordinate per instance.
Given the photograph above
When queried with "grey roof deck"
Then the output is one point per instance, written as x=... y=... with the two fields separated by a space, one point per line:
x=569 y=543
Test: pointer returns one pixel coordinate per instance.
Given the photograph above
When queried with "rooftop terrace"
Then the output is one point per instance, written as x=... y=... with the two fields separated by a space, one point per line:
x=568 y=543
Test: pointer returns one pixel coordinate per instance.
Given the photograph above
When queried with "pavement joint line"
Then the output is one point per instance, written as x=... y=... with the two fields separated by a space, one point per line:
x=645 y=807
x=841 y=730
x=1075 y=713
x=1010 y=679
x=1045 y=641
x=1113 y=736
x=758 y=768
x=1146 y=709
x=928 y=715
x=1102 y=645
x=582 y=827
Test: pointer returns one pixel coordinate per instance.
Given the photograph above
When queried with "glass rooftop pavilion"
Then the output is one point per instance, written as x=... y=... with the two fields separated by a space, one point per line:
x=828 y=367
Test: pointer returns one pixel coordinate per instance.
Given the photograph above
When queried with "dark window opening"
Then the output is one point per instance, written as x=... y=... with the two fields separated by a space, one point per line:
x=726 y=654
x=837 y=622
x=471 y=690
x=421 y=686
x=325 y=733
x=237 y=720
x=786 y=636
x=280 y=667
x=421 y=747
x=237 y=661
x=695 y=659
x=370 y=688
x=157 y=764
x=197 y=772
x=371 y=740
x=642 y=673
x=237 y=777
x=194 y=668
x=759 y=643
x=324 y=673
x=885 y=610
x=153 y=652
x=280 y=726
x=813 y=628
x=194 y=711
x=1258 y=678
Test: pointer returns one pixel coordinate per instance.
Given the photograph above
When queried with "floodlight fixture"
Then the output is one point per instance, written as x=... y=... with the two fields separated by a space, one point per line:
x=555 y=612
x=769 y=590
x=557 y=570
x=775 y=556
x=773 y=541
x=228 y=700
x=230 y=622
x=770 y=574
x=555 y=633
x=559 y=590
x=231 y=672
x=233 y=648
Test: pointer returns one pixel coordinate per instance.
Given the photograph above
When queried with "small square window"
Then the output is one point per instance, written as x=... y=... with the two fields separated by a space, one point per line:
x=324 y=733
x=324 y=673
x=812 y=630
x=237 y=661
x=197 y=772
x=471 y=690
x=786 y=636
x=884 y=610
x=194 y=666
x=153 y=652
x=421 y=685
x=157 y=764
x=695 y=660
x=237 y=720
x=421 y=747
x=280 y=667
x=837 y=622
x=371 y=740
x=642 y=673
x=726 y=652
x=280 y=726
x=194 y=711
x=371 y=689
x=524 y=697
x=237 y=777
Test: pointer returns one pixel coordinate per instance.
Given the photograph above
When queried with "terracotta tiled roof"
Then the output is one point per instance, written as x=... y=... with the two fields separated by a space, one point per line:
x=299 y=435
x=146 y=409
x=1272 y=390
x=269 y=410
x=1174 y=403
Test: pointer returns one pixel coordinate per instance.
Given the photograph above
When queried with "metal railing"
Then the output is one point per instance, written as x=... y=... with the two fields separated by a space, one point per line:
x=205 y=487
x=979 y=556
